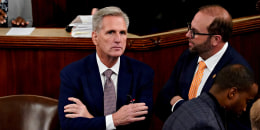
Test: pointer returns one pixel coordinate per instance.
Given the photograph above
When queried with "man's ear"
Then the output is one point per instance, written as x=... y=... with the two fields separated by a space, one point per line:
x=217 y=39
x=232 y=92
x=94 y=37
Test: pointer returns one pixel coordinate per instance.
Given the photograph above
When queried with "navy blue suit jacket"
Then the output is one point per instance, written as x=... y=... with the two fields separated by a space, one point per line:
x=202 y=113
x=81 y=79
x=182 y=75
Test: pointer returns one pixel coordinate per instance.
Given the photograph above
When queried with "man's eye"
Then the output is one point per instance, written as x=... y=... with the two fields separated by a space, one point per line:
x=193 y=30
x=110 y=32
x=122 y=32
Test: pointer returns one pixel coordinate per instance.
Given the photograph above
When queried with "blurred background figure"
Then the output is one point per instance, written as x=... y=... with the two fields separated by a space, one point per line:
x=258 y=6
x=15 y=13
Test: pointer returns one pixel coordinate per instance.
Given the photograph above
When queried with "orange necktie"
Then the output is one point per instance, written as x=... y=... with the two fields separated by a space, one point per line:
x=196 y=80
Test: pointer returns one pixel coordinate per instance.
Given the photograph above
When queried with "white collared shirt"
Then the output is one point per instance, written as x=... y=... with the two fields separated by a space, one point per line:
x=211 y=62
x=115 y=68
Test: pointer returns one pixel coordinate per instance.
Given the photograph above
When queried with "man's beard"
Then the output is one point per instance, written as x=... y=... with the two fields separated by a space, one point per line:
x=202 y=48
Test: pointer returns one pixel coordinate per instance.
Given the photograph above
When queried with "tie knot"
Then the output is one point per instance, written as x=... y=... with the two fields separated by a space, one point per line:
x=202 y=65
x=108 y=73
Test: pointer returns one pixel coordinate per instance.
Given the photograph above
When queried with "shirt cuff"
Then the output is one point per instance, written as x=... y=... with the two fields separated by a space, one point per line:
x=175 y=104
x=110 y=123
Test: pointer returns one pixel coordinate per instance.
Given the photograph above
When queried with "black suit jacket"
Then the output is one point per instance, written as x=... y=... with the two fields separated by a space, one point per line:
x=81 y=79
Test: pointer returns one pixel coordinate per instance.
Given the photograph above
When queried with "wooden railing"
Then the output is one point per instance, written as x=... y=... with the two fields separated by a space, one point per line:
x=58 y=38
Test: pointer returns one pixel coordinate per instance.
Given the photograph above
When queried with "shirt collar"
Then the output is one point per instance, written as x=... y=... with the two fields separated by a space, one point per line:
x=103 y=68
x=213 y=60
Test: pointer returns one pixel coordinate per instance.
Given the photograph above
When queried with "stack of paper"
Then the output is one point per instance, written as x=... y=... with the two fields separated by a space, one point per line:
x=82 y=26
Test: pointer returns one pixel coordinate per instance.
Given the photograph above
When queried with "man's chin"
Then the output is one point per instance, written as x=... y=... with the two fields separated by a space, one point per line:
x=192 y=50
x=117 y=54
x=191 y=47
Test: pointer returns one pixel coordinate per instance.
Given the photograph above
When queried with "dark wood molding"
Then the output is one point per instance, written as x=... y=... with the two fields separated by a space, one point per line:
x=148 y=42
x=46 y=42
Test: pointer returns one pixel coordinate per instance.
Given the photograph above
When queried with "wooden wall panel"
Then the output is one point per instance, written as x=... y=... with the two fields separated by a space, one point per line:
x=34 y=71
x=248 y=45
x=49 y=13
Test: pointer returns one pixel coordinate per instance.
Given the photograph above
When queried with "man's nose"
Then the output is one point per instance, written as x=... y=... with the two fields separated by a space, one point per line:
x=188 y=34
x=117 y=37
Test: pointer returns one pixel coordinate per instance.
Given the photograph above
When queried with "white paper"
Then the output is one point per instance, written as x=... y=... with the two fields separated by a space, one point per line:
x=20 y=31
x=86 y=19
x=82 y=26
x=82 y=33
x=82 y=20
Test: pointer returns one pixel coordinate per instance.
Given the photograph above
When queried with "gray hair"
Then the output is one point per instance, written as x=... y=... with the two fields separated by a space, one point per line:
x=107 y=11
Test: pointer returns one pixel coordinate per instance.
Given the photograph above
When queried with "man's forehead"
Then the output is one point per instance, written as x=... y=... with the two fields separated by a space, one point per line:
x=202 y=20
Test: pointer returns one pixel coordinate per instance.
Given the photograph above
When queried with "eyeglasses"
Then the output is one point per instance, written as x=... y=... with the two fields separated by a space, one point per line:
x=193 y=33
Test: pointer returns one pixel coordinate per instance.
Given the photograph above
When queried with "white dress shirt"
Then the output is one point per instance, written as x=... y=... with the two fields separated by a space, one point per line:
x=211 y=62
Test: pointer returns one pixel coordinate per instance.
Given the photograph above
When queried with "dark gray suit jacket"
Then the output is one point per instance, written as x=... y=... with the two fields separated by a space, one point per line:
x=202 y=113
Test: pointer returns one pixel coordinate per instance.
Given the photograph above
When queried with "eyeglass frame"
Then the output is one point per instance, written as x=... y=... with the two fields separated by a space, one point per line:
x=195 y=33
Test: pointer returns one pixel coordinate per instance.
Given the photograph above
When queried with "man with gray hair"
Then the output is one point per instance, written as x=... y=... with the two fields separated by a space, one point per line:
x=106 y=90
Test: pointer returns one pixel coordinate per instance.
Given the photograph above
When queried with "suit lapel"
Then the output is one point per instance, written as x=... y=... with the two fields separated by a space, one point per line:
x=94 y=83
x=124 y=82
x=187 y=75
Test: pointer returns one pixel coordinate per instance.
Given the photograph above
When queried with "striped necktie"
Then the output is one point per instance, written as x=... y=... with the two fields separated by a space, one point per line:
x=109 y=94
x=196 y=80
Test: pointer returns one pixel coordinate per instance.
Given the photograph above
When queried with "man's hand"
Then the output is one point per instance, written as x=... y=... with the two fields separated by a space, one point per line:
x=94 y=10
x=175 y=99
x=19 y=22
x=2 y=17
x=76 y=110
x=130 y=113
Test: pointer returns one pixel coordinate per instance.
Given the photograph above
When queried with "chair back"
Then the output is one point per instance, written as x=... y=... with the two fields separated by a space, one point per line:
x=28 y=112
